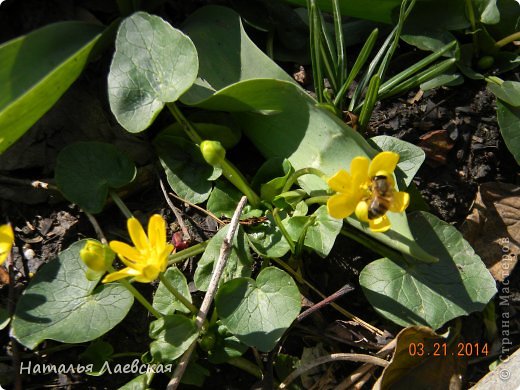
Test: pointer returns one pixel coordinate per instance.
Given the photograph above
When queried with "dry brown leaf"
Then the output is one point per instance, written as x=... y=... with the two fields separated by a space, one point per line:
x=423 y=360
x=436 y=144
x=493 y=227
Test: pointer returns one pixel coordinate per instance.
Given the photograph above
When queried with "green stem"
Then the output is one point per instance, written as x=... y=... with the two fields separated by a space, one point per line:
x=235 y=177
x=301 y=172
x=139 y=297
x=317 y=200
x=510 y=38
x=471 y=17
x=122 y=206
x=270 y=44
x=370 y=243
x=300 y=279
x=186 y=125
x=190 y=306
x=284 y=231
x=188 y=252
x=246 y=365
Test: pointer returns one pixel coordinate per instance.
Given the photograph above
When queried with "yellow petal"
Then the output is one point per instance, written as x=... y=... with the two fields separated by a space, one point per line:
x=164 y=257
x=384 y=161
x=148 y=274
x=379 y=225
x=137 y=234
x=6 y=241
x=124 y=273
x=359 y=171
x=400 y=202
x=341 y=205
x=362 y=211
x=340 y=182
x=128 y=254
x=157 y=231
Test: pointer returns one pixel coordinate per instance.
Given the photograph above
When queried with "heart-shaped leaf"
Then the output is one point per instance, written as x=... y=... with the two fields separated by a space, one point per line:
x=259 y=312
x=187 y=172
x=267 y=239
x=61 y=304
x=173 y=335
x=164 y=301
x=508 y=92
x=320 y=235
x=509 y=122
x=430 y=294
x=411 y=157
x=154 y=64
x=238 y=264
x=280 y=118
x=85 y=171
x=29 y=86
x=224 y=200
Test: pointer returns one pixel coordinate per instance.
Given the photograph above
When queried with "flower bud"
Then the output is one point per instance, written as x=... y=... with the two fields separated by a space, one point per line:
x=96 y=256
x=213 y=152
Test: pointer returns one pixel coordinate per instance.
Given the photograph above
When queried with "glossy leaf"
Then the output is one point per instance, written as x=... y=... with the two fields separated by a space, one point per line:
x=321 y=235
x=259 y=311
x=61 y=304
x=164 y=301
x=172 y=336
x=430 y=294
x=86 y=171
x=488 y=10
x=238 y=264
x=411 y=157
x=508 y=92
x=154 y=63
x=35 y=71
x=224 y=199
x=186 y=170
x=509 y=122
x=267 y=239
x=226 y=54
x=279 y=117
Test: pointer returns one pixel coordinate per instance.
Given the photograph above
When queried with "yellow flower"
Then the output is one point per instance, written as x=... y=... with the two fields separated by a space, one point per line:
x=96 y=256
x=360 y=191
x=6 y=241
x=149 y=257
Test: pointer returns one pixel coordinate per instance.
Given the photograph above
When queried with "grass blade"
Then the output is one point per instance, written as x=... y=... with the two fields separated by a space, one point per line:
x=340 y=43
x=370 y=101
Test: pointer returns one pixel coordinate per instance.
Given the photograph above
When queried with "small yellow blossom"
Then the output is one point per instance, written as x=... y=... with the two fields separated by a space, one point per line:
x=149 y=257
x=6 y=241
x=355 y=191
x=96 y=256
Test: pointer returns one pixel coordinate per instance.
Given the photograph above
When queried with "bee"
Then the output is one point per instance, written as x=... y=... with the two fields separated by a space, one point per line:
x=382 y=196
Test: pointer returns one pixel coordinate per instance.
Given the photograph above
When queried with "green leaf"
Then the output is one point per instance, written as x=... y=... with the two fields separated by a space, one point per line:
x=509 y=122
x=97 y=353
x=267 y=239
x=138 y=383
x=172 y=336
x=280 y=118
x=508 y=92
x=85 y=171
x=35 y=71
x=226 y=348
x=187 y=172
x=154 y=64
x=411 y=157
x=321 y=235
x=272 y=188
x=61 y=304
x=488 y=10
x=426 y=39
x=224 y=200
x=4 y=318
x=227 y=135
x=226 y=54
x=259 y=312
x=238 y=264
x=164 y=301
x=430 y=294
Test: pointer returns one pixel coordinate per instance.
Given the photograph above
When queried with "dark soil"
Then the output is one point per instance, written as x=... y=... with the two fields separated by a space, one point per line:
x=470 y=151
